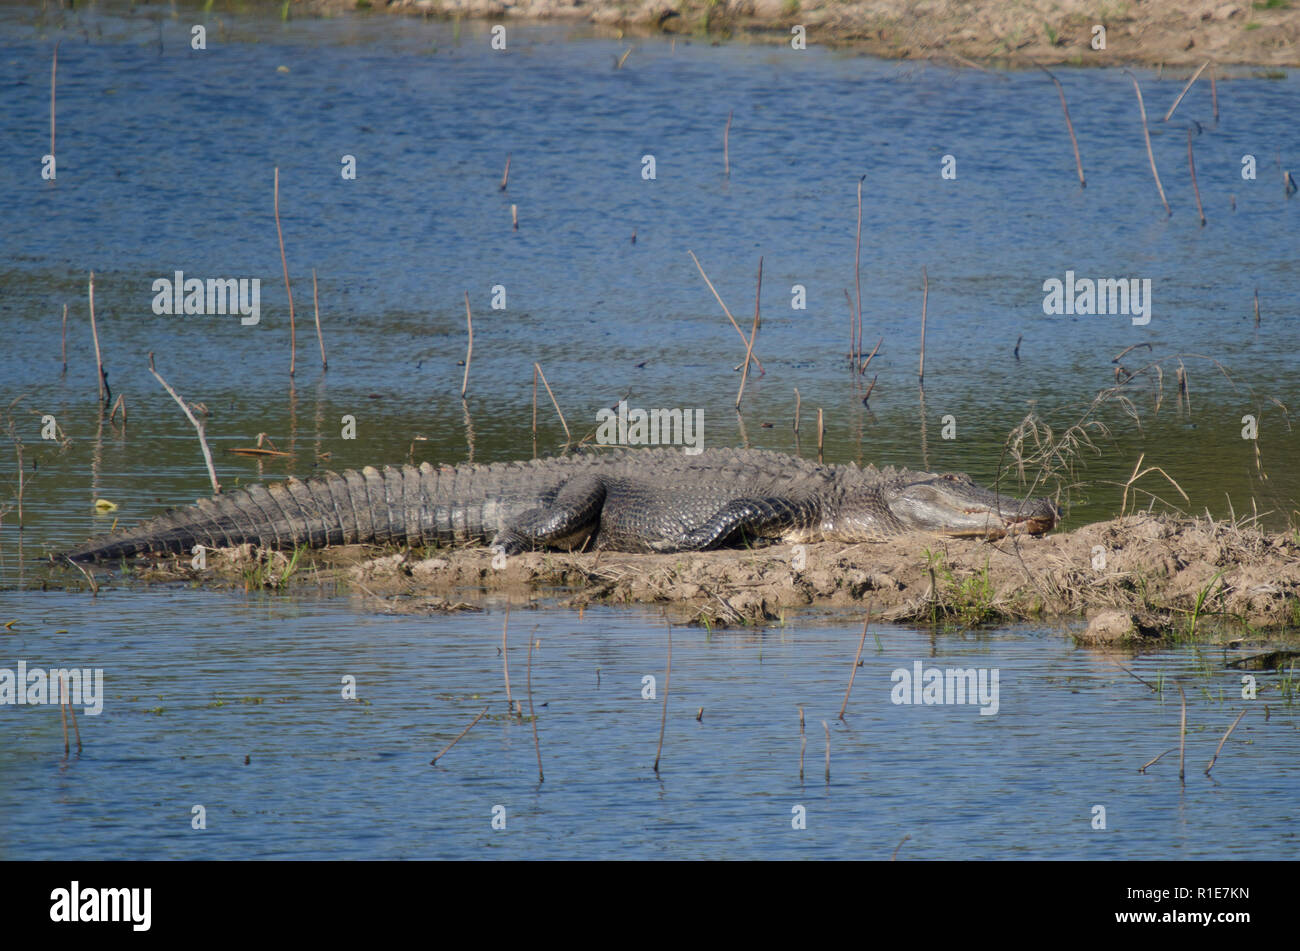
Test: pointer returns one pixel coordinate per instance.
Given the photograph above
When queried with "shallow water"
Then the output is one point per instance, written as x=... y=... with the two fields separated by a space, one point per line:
x=330 y=777
x=165 y=163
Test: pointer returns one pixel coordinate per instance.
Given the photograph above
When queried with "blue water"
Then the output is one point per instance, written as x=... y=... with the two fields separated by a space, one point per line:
x=187 y=700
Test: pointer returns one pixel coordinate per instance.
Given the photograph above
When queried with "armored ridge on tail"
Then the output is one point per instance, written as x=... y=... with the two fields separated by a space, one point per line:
x=638 y=500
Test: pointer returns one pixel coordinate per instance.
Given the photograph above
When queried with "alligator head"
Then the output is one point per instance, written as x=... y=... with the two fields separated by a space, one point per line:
x=952 y=504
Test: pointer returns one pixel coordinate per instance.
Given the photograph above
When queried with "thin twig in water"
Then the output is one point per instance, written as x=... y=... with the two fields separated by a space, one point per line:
x=803 y=743
x=874 y=350
x=76 y=730
x=505 y=176
x=857 y=276
x=1155 y=759
x=856 y=659
x=469 y=349
x=827 y=728
x=1182 y=734
x=64 y=339
x=718 y=297
x=925 y=297
x=293 y=347
x=54 y=75
x=1078 y=163
x=1224 y=740
x=894 y=857
x=753 y=335
x=663 y=721
x=94 y=588
x=1146 y=135
x=532 y=716
x=505 y=660
x=434 y=761
x=198 y=426
x=1195 y=76
x=1191 y=164
x=726 y=146
x=99 y=362
x=568 y=438
x=1145 y=683
x=315 y=302
x=63 y=712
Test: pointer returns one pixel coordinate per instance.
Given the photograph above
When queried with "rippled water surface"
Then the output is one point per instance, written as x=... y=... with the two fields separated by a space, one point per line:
x=166 y=160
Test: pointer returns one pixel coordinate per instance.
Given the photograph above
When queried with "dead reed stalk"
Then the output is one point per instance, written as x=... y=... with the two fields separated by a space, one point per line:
x=1146 y=135
x=1214 y=94
x=925 y=297
x=803 y=743
x=821 y=432
x=857 y=278
x=663 y=720
x=505 y=176
x=1195 y=76
x=870 y=356
x=284 y=263
x=568 y=438
x=514 y=217
x=198 y=426
x=745 y=340
x=94 y=331
x=894 y=857
x=434 y=761
x=796 y=411
x=64 y=340
x=1257 y=308
x=726 y=148
x=505 y=660
x=753 y=335
x=1191 y=164
x=826 y=727
x=315 y=303
x=1155 y=759
x=1182 y=734
x=76 y=730
x=1225 y=740
x=531 y=715
x=1078 y=163
x=856 y=660
x=469 y=349
x=18 y=450
x=63 y=712
x=54 y=75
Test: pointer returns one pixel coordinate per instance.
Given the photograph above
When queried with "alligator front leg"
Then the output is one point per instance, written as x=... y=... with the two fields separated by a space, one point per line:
x=566 y=523
x=742 y=520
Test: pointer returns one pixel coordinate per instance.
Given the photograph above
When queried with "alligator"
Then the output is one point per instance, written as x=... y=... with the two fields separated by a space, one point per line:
x=634 y=500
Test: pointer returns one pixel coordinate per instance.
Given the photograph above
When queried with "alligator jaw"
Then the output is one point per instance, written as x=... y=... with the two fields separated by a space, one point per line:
x=954 y=506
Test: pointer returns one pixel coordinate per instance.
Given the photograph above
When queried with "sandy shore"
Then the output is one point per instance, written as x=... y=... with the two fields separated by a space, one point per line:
x=1169 y=32
x=1133 y=578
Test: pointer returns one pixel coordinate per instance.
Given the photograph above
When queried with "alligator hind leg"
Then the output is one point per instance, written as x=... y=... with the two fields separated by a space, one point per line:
x=739 y=521
x=566 y=523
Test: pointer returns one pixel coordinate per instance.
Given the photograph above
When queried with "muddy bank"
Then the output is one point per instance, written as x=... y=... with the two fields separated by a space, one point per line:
x=1134 y=578
x=1172 y=32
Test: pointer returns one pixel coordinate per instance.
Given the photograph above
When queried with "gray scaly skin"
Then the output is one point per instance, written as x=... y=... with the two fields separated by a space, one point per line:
x=638 y=500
